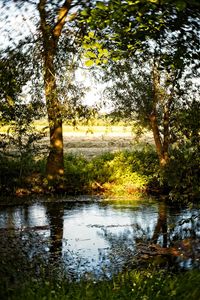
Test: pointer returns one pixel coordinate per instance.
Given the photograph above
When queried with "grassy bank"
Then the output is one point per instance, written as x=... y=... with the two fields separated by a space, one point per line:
x=111 y=173
x=119 y=173
x=100 y=158
x=144 y=285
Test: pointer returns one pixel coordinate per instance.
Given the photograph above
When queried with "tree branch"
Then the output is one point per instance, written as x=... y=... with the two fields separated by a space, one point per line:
x=61 y=18
x=43 y=16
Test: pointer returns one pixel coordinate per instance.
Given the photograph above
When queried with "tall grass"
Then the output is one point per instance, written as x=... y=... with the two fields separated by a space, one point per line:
x=135 y=285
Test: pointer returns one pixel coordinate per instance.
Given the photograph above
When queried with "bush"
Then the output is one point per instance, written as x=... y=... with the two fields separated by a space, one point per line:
x=77 y=175
x=183 y=173
x=118 y=173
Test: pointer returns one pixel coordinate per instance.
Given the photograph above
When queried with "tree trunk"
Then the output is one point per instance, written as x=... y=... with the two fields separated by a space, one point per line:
x=157 y=137
x=55 y=161
x=162 y=146
x=166 y=136
x=50 y=37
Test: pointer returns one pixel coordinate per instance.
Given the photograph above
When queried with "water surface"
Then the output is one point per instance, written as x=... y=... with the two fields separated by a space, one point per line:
x=100 y=237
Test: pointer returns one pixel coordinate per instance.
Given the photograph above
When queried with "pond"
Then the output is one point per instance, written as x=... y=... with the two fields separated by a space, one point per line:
x=85 y=236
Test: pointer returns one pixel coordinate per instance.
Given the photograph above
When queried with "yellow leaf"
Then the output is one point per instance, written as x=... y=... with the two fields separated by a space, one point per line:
x=89 y=63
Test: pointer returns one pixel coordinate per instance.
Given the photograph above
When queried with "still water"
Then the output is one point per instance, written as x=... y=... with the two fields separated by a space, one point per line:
x=100 y=237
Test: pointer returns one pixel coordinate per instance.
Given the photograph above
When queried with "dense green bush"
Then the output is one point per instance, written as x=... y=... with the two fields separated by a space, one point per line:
x=183 y=173
x=77 y=177
x=119 y=173
x=15 y=174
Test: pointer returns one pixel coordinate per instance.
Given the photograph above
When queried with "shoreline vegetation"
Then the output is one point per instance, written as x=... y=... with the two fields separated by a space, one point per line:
x=135 y=285
x=100 y=159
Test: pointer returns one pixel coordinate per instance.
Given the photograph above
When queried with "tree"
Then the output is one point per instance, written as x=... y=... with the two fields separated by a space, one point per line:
x=50 y=38
x=55 y=39
x=163 y=33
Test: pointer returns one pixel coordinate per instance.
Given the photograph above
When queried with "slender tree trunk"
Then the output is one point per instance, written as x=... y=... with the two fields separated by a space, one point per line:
x=50 y=37
x=162 y=145
x=166 y=136
x=156 y=135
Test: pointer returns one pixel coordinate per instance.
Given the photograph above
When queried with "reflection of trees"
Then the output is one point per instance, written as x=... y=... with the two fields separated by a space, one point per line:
x=122 y=250
x=161 y=225
x=175 y=238
x=55 y=216
x=23 y=244
x=119 y=254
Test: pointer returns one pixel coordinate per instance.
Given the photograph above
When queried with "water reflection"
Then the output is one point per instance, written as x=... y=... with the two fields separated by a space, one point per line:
x=55 y=219
x=99 y=237
x=161 y=225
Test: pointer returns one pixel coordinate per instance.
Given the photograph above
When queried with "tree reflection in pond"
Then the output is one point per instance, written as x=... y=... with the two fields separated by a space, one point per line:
x=55 y=218
x=96 y=237
x=161 y=225
x=173 y=242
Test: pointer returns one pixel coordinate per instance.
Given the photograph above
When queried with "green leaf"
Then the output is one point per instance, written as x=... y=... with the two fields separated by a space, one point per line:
x=86 y=46
x=96 y=45
x=101 y=5
x=91 y=34
x=89 y=63
x=98 y=61
x=180 y=4
x=105 y=52
x=84 y=13
x=90 y=54
x=153 y=1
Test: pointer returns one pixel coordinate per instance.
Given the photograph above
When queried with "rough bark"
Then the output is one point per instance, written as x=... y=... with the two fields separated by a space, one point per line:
x=50 y=37
x=166 y=134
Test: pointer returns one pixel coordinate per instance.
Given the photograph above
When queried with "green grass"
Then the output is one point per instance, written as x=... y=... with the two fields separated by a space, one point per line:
x=135 y=285
x=119 y=173
x=93 y=126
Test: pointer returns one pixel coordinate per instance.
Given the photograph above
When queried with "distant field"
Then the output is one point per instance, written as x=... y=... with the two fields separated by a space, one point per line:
x=94 y=140
x=99 y=139
x=97 y=127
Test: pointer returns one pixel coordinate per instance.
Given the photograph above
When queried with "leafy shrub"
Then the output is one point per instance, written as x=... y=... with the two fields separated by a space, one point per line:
x=115 y=172
x=183 y=173
x=77 y=176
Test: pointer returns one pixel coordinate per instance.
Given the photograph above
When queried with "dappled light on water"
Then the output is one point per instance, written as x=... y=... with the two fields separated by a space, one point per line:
x=101 y=238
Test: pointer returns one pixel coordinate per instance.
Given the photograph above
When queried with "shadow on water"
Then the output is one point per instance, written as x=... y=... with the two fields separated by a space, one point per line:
x=95 y=238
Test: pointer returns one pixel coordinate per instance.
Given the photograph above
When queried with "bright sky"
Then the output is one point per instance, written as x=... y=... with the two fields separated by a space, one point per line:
x=14 y=25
